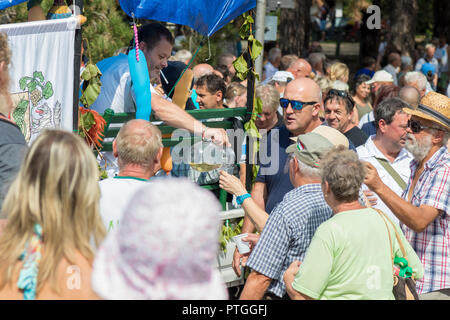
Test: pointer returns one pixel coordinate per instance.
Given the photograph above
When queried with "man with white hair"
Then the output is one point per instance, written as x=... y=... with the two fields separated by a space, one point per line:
x=138 y=149
x=183 y=55
x=272 y=64
x=289 y=228
x=424 y=206
x=418 y=80
x=430 y=49
x=316 y=60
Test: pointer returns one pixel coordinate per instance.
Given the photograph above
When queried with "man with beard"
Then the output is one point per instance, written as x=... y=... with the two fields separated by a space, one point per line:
x=424 y=207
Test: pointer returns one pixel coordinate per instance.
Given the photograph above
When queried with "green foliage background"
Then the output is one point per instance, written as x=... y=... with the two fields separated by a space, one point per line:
x=105 y=31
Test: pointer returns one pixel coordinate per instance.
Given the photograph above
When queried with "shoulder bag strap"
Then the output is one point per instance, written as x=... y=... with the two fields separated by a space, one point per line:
x=392 y=172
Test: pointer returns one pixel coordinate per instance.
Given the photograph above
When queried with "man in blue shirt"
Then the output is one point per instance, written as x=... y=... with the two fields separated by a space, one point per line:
x=301 y=104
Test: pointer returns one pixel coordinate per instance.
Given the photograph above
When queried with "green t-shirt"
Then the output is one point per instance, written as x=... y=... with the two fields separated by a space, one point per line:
x=349 y=258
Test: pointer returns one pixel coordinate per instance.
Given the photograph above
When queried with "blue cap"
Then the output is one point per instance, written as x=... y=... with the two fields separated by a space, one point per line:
x=428 y=67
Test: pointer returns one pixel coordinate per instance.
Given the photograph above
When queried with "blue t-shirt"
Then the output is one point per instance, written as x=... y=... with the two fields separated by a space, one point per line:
x=369 y=128
x=272 y=170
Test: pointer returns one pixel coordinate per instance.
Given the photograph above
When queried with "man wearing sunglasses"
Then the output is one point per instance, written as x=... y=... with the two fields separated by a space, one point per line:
x=301 y=104
x=339 y=106
x=424 y=208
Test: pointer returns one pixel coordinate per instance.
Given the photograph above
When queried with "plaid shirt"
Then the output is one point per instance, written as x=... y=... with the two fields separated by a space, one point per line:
x=288 y=232
x=433 y=244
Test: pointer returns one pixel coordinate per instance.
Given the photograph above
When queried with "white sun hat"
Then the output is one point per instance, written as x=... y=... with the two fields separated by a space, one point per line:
x=164 y=248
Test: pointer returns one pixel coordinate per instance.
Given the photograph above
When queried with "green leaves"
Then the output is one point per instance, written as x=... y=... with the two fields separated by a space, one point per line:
x=87 y=120
x=256 y=48
x=229 y=230
x=241 y=67
x=47 y=92
x=91 y=71
x=92 y=86
x=38 y=75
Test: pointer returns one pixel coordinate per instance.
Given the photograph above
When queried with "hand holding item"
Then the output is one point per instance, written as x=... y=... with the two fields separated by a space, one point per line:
x=239 y=260
x=231 y=184
x=216 y=135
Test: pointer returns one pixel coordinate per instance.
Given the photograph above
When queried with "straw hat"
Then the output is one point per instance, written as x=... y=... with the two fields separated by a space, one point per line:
x=434 y=107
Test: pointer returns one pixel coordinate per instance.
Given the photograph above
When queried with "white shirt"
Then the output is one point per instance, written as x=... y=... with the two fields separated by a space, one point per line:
x=116 y=91
x=368 y=152
x=115 y=193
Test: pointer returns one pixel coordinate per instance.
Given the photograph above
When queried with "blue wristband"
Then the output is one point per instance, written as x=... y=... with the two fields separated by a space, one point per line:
x=240 y=199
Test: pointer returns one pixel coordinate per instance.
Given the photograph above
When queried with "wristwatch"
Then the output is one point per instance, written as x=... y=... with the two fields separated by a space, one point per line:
x=240 y=199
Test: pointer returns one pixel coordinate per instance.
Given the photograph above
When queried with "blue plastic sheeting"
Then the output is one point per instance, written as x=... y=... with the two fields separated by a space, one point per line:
x=9 y=3
x=204 y=16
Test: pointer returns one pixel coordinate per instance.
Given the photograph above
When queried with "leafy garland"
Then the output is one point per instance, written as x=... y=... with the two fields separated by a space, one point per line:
x=232 y=229
x=242 y=70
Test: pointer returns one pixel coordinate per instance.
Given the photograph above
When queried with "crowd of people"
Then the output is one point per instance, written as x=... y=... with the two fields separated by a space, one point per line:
x=352 y=158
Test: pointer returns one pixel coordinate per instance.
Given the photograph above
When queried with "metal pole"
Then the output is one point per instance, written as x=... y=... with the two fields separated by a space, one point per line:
x=260 y=25
x=78 y=5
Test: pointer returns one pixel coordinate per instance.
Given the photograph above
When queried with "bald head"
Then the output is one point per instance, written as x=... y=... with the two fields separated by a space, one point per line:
x=300 y=68
x=202 y=69
x=410 y=95
x=305 y=87
x=138 y=142
x=304 y=119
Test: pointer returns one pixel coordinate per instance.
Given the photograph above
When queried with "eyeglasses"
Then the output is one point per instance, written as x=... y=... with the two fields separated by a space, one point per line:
x=416 y=127
x=341 y=93
x=296 y=105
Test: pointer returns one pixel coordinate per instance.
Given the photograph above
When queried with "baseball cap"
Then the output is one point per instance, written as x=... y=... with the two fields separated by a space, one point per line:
x=312 y=146
x=381 y=76
x=426 y=67
x=282 y=76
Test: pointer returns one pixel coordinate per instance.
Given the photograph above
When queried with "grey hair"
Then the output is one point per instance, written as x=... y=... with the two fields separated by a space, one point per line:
x=344 y=173
x=434 y=131
x=274 y=53
x=306 y=170
x=183 y=55
x=138 y=142
x=416 y=77
x=269 y=95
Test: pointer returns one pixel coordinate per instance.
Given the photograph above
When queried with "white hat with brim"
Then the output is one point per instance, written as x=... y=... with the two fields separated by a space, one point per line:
x=165 y=246
x=112 y=279
x=381 y=76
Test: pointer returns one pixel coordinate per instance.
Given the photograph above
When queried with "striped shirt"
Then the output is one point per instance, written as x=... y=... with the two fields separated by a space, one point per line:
x=433 y=244
x=288 y=232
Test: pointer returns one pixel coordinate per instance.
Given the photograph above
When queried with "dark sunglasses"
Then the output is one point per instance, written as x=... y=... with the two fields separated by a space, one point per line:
x=340 y=93
x=416 y=127
x=296 y=105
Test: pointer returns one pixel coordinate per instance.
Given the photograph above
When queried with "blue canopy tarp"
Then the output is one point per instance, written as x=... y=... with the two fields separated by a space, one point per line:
x=204 y=16
x=9 y=3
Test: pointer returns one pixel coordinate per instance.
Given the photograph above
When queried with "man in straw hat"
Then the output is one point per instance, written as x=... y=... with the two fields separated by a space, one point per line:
x=290 y=226
x=424 y=207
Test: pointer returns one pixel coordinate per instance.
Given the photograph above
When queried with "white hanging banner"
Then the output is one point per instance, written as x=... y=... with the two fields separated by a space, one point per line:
x=42 y=70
